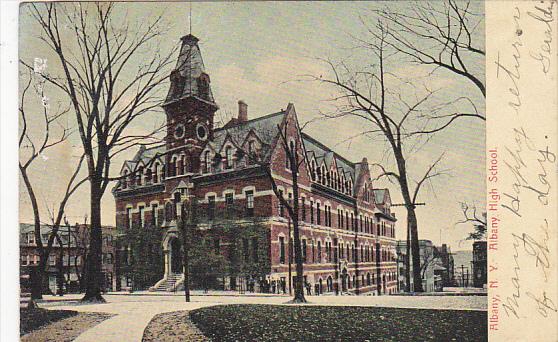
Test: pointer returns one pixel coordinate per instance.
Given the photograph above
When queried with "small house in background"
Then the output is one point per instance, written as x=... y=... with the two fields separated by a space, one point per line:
x=67 y=257
x=479 y=264
x=433 y=267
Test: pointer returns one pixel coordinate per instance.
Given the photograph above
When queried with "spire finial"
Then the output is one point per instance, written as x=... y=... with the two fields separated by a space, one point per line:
x=190 y=17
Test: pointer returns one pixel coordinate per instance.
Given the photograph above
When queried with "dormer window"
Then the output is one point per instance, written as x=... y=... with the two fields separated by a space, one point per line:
x=203 y=86
x=251 y=158
x=177 y=84
x=313 y=170
x=139 y=175
x=229 y=156
x=124 y=180
x=147 y=176
x=251 y=146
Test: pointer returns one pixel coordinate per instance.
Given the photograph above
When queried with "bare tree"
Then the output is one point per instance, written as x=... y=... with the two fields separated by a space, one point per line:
x=398 y=116
x=471 y=216
x=441 y=35
x=32 y=148
x=293 y=153
x=112 y=75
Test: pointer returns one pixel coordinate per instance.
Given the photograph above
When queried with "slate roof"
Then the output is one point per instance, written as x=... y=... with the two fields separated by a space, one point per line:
x=321 y=151
x=144 y=154
x=264 y=127
x=190 y=67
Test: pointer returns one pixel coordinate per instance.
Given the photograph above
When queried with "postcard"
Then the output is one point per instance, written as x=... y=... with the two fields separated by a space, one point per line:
x=281 y=171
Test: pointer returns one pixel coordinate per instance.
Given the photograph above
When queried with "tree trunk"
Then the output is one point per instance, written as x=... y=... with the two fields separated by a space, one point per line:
x=408 y=260
x=93 y=289
x=40 y=271
x=411 y=219
x=415 y=249
x=299 y=284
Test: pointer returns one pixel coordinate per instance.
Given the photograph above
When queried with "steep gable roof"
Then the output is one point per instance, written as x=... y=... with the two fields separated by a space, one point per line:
x=321 y=151
x=264 y=127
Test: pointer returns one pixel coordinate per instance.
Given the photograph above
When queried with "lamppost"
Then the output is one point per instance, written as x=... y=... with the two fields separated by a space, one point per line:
x=337 y=265
x=290 y=255
x=187 y=222
x=398 y=251
x=356 y=227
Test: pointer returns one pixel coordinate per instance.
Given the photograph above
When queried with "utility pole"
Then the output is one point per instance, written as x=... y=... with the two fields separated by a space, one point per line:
x=462 y=276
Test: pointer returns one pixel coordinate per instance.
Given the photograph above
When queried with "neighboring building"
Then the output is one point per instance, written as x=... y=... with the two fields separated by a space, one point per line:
x=479 y=264
x=431 y=266
x=447 y=261
x=67 y=256
x=347 y=227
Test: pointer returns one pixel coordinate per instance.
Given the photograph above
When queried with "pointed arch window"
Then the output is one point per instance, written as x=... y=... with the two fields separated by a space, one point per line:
x=180 y=165
x=206 y=162
x=172 y=166
x=156 y=173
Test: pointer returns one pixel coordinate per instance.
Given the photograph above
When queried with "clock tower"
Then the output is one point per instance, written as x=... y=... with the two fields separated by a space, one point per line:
x=189 y=108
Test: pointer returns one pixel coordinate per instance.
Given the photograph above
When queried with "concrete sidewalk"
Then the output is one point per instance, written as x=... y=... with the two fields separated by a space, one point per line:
x=134 y=311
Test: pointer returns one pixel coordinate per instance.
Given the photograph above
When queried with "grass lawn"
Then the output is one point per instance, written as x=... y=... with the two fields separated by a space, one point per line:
x=337 y=323
x=40 y=325
x=31 y=319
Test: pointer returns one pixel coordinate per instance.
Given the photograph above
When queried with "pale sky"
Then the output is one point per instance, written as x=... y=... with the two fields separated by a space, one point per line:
x=257 y=52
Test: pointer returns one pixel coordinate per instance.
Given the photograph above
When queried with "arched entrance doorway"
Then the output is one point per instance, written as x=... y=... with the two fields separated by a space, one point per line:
x=175 y=256
x=329 y=282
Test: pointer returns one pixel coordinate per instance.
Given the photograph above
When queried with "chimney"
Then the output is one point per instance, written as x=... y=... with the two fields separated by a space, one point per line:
x=242 y=111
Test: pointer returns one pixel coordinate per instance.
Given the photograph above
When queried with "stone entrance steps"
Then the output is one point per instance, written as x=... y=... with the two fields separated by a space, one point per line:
x=169 y=284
